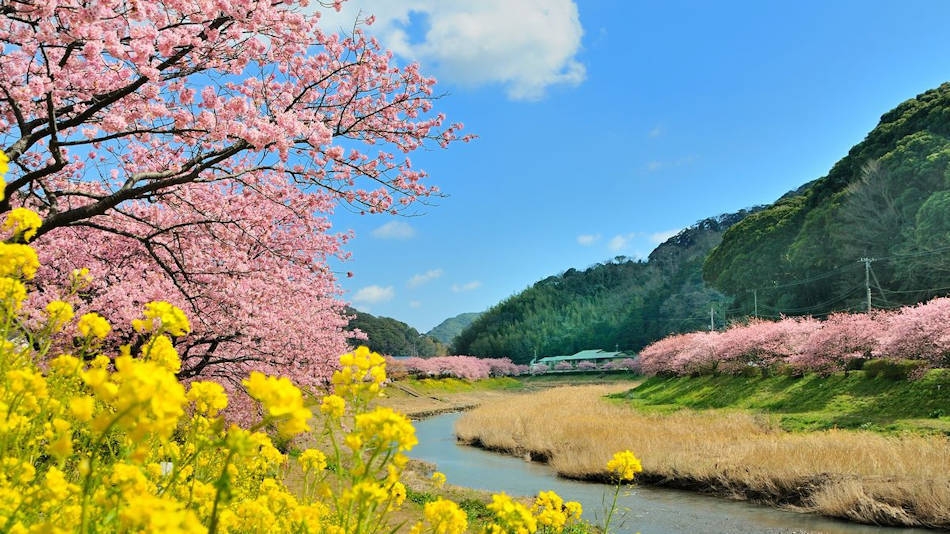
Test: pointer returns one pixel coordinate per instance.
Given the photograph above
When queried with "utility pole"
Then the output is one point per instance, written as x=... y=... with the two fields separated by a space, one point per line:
x=712 y=318
x=755 y=303
x=867 y=278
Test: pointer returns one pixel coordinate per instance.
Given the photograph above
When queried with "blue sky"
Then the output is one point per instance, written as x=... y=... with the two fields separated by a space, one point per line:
x=605 y=126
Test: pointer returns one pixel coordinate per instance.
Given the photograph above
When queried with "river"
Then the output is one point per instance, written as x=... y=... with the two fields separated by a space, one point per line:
x=642 y=509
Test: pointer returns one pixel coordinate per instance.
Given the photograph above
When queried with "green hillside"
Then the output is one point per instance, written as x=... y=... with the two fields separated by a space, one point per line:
x=389 y=336
x=887 y=200
x=621 y=304
x=446 y=331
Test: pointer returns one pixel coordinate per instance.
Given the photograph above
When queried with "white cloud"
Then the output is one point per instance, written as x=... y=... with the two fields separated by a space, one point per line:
x=420 y=279
x=661 y=237
x=394 y=230
x=620 y=242
x=415 y=304
x=588 y=239
x=524 y=45
x=374 y=294
x=474 y=284
x=657 y=131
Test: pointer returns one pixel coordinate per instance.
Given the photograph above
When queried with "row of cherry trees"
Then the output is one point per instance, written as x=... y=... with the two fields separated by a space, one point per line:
x=473 y=368
x=465 y=367
x=920 y=332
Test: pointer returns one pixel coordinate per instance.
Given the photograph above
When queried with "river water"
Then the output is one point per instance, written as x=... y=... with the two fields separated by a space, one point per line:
x=640 y=509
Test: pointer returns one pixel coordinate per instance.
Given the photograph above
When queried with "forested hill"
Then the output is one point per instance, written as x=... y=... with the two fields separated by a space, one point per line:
x=446 y=331
x=395 y=338
x=887 y=200
x=621 y=304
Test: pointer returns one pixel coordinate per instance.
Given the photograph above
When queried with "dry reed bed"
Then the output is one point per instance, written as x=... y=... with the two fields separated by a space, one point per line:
x=860 y=476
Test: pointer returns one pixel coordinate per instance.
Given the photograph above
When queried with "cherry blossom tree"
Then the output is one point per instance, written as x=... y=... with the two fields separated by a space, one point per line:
x=919 y=332
x=193 y=150
x=840 y=338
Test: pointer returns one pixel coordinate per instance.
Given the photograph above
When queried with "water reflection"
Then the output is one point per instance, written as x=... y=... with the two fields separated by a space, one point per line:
x=647 y=510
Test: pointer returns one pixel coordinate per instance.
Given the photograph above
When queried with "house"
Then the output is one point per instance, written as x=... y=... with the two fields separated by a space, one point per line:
x=595 y=356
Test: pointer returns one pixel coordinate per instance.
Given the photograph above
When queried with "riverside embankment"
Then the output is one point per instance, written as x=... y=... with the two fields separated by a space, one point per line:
x=860 y=476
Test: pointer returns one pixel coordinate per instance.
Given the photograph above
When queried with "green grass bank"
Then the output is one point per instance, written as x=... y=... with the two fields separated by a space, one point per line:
x=812 y=402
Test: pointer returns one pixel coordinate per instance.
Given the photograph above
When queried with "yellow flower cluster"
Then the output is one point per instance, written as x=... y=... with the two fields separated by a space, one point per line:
x=624 y=465
x=23 y=223
x=511 y=517
x=553 y=514
x=93 y=325
x=18 y=261
x=208 y=397
x=384 y=429
x=58 y=314
x=443 y=517
x=362 y=372
x=282 y=402
x=162 y=316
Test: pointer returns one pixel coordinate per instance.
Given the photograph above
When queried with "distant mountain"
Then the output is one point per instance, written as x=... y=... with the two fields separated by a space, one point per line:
x=395 y=338
x=446 y=331
x=620 y=304
x=879 y=219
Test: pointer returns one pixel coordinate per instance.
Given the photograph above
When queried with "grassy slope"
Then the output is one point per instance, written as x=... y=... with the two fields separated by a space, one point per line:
x=811 y=402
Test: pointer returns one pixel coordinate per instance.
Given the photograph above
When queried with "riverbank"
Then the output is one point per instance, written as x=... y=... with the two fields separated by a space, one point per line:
x=860 y=476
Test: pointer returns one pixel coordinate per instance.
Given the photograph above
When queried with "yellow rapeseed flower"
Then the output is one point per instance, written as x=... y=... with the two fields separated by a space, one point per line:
x=209 y=397
x=281 y=400
x=312 y=460
x=18 y=261
x=23 y=222
x=93 y=324
x=12 y=294
x=438 y=479
x=550 y=511
x=365 y=494
x=59 y=313
x=333 y=405
x=82 y=407
x=164 y=316
x=159 y=349
x=625 y=465
x=511 y=516
x=386 y=429
x=361 y=371
x=445 y=517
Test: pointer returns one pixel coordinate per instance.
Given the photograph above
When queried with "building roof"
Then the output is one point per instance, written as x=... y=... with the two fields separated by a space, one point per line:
x=590 y=354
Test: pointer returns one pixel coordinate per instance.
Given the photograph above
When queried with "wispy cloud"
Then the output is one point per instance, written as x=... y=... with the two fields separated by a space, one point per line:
x=420 y=279
x=415 y=304
x=394 y=230
x=588 y=239
x=374 y=294
x=470 y=286
x=656 y=131
x=660 y=237
x=620 y=242
x=524 y=45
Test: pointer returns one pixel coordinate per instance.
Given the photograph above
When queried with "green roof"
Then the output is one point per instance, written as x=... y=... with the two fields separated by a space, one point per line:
x=591 y=354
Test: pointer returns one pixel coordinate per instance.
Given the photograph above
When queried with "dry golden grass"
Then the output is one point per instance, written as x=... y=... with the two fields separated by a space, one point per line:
x=861 y=476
